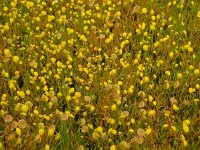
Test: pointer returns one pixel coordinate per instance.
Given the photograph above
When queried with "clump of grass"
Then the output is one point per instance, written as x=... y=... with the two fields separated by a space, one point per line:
x=99 y=74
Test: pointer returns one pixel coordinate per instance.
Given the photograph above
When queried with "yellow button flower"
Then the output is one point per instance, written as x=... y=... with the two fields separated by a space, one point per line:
x=173 y=128
x=185 y=128
x=18 y=131
x=50 y=132
x=148 y=131
x=152 y=113
x=144 y=11
x=185 y=143
x=113 y=147
x=119 y=83
x=175 y=107
x=113 y=107
x=41 y=132
x=24 y=108
x=167 y=73
x=47 y=147
x=146 y=79
x=99 y=129
x=77 y=94
x=196 y=71
x=7 y=52
x=6 y=27
x=198 y=14
x=15 y=59
x=179 y=75
x=5 y=8
x=21 y=94
x=145 y=47
x=71 y=90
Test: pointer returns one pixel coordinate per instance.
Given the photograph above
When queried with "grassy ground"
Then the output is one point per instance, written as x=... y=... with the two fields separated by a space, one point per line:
x=95 y=75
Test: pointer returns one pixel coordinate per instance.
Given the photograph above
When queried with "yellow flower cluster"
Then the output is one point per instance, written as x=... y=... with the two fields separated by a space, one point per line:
x=99 y=74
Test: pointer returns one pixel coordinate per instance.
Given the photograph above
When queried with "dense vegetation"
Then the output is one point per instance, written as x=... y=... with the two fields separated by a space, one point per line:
x=99 y=74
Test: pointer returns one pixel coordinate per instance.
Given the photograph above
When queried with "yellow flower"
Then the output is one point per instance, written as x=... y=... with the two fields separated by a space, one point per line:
x=138 y=31
x=3 y=97
x=174 y=3
x=68 y=98
x=113 y=147
x=167 y=73
x=185 y=143
x=83 y=38
x=114 y=131
x=11 y=20
x=71 y=90
x=120 y=83
x=77 y=94
x=145 y=33
x=190 y=49
x=190 y=90
x=146 y=79
x=165 y=125
x=198 y=14
x=179 y=75
x=148 y=131
x=187 y=121
x=171 y=54
x=145 y=47
x=144 y=11
x=21 y=94
x=47 y=147
x=28 y=92
x=24 y=108
x=196 y=71
x=92 y=108
x=131 y=131
x=169 y=4
x=99 y=129
x=82 y=13
x=7 y=52
x=18 y=141
x=191 y=67
x=152 y=27
x=150 y=98
x=197 y=86
x=36 y=112
x=11 y=84
x=37 y=19
x=77 y=108
x=111 y=121
x=18 y=131
x=50 y=132
x=113 y=107
x=41 y=132
x=154 y=103
x=152 y=113
x=43 y=13
x=15 y=59
x=109 y=3
x=6 y=27
x=182 y=137
x=173 y=128
x=57 y=137
x=1 y=145
x=132 y=121
x=108 y=40
x=185 y=128
x=175 y=107
x=5 y=8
